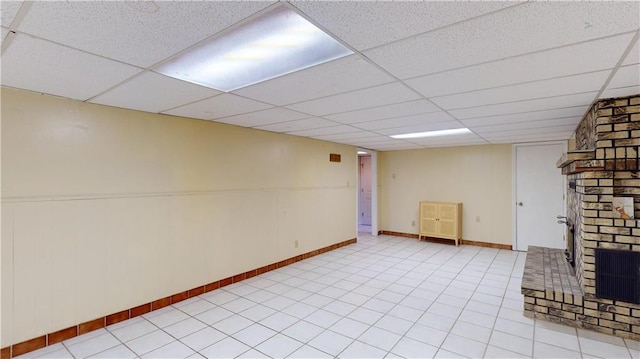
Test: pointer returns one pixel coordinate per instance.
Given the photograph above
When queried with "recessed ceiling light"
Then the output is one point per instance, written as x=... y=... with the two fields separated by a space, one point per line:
x=456 y=131
x=274 y=44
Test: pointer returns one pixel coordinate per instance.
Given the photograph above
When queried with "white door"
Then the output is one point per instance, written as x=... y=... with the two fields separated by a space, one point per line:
x=365 y=191
x=539 y=196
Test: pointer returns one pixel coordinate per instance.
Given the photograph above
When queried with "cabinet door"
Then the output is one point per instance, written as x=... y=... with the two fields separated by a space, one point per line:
x=448 y=220
x=428 y=218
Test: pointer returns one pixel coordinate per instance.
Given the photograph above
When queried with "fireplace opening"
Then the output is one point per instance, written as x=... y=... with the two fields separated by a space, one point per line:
x=618 y=275
x=570 y=251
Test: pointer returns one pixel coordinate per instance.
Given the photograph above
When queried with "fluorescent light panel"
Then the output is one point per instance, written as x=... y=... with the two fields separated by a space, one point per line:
x=274 y=44
x=456 y=131
x=363 y=153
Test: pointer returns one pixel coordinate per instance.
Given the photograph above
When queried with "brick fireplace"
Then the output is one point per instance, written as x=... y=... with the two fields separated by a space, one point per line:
x=602 y=171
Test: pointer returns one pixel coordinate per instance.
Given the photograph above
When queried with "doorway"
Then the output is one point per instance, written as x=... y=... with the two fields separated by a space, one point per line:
x=364 y=194
x=367 y=193
x=539 y=195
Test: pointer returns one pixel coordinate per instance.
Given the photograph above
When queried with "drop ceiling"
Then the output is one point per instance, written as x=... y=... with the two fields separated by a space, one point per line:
x=509 y=71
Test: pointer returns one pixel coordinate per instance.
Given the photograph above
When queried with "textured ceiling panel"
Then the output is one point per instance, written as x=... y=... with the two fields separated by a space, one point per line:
x=217 y=107
x=575 y=100
x=539 y=89
x=298 y=125
x=141 y=93
x=356 y=100
x=527 y=131
x=464 y=140
x=364 y=135
x=571 y=121
x=8 y=11
x=514 y=31
x=343 y=75
x=4 y=32
x=384 y=112
x=326 y=131
x=626 y=76
x=559 y=62
x=634 y=55
x=422 y=119
x=261 y=118
x=136 y=32
x=367 y=24
x=41 y=66
x=578 y=111
x=435 y=126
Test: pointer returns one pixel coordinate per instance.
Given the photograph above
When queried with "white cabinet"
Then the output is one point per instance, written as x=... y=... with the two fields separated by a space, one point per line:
x=441 y=220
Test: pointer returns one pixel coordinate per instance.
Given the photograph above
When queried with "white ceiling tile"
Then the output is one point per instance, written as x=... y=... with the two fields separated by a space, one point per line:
x=634 y=55
x=421 y=128
x=455 y=138
x=136 y=32
x=8 y=11
x=621 y=92
x=531 y=90
x=152 y=92
x=41 y=66
x=467 y=140
x=385 y=112
x=298 y=125
x=574 y=100
x=530 y=131
x=217 y=107
x=625 y=76
x=548 y=64
x=261 y=118
x=514 y=31
x=398 y=147
x=349 y=136
x=569 y=121
x=377 y=139
x=375 y=143
x=364 y=24
x=356 y=100
x=578 y=111
x=533 y=137
x=422 y=119
x=326 y=131
x=342 y=75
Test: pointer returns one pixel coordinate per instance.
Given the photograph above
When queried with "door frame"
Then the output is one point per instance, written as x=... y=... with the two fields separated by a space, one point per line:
x=514 y=185
x=374 y=189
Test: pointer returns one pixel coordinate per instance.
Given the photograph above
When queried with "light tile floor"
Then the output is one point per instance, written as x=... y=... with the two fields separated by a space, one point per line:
x=382 y=297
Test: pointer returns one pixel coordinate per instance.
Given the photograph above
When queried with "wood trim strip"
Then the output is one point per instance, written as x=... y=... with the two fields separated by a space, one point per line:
x=448 y=241
x=29 y=346
x=91 y=325
x=61 y=335
x=83 y=328
x=486 y=244
x=116 y=317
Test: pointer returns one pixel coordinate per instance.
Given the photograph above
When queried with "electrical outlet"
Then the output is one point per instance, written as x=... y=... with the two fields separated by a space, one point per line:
x=295 y=243
x=413 y=223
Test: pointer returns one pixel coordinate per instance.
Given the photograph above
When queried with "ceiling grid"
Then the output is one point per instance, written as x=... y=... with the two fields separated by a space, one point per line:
x=508 y=71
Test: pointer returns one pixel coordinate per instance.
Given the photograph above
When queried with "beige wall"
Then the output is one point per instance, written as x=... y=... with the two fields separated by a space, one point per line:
x=104 y=209
x=478 y=176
